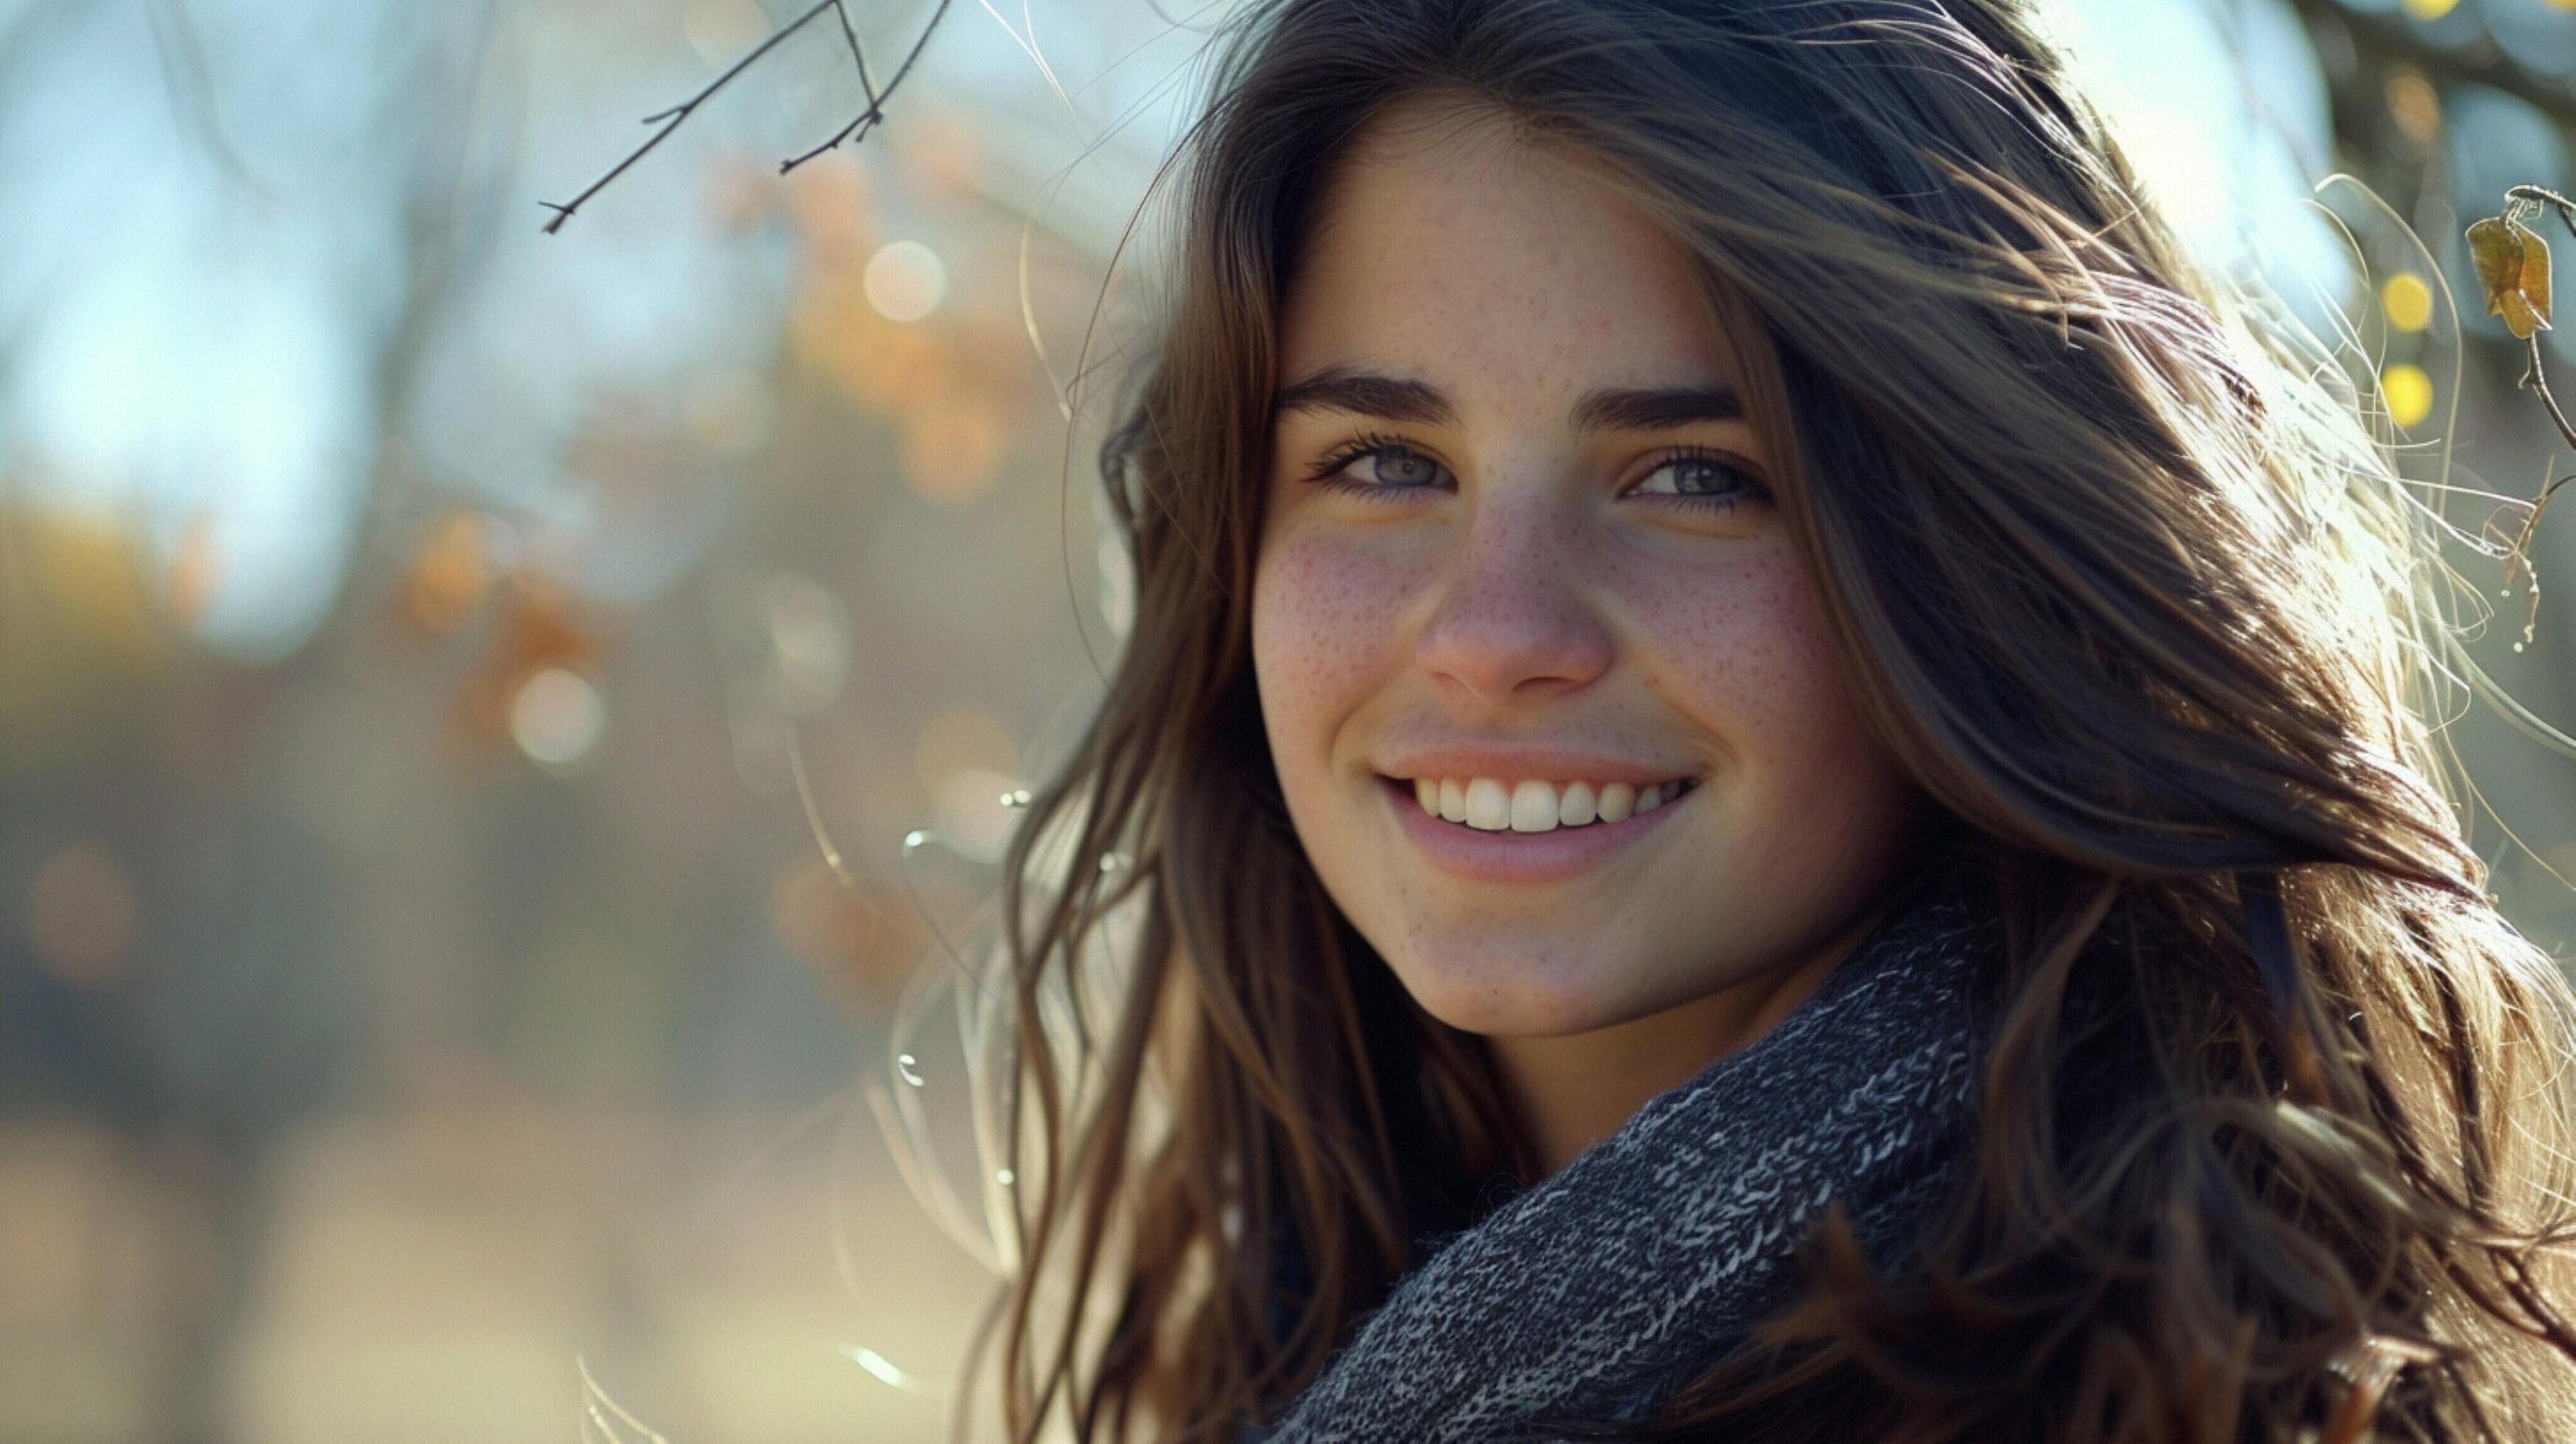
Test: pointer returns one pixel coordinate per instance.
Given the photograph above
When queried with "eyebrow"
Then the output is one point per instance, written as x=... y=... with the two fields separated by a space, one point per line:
x=1393 y=398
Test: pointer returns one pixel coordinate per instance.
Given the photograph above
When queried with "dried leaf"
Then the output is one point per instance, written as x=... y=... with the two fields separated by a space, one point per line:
x=2497 y=253
x=2512 y=263
x=2535 y=272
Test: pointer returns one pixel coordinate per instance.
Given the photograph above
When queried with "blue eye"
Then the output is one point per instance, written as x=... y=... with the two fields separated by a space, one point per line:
x=1701 y=479
x=1372 y=465
x=1383 y=469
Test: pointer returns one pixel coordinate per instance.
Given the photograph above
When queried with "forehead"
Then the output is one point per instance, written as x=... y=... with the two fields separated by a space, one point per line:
x=1445 y=246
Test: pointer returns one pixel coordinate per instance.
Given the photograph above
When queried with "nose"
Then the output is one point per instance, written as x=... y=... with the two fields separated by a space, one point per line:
x=1512 y=620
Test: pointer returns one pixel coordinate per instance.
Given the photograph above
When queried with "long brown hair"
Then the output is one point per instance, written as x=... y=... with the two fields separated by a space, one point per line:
x=2274 y=1136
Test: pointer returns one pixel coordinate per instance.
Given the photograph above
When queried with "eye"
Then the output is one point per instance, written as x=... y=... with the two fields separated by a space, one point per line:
x=1703 y=480
x=1377 y=467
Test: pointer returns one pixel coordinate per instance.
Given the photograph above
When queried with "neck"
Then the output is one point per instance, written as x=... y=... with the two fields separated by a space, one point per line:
x=1571 y=1091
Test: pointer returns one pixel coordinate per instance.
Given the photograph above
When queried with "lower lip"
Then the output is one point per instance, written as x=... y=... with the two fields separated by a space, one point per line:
x=1518 y=857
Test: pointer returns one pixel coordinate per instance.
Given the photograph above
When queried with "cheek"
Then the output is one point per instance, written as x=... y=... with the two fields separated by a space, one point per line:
x=1744 y=639
x=1747 y=651
x=1325 y=618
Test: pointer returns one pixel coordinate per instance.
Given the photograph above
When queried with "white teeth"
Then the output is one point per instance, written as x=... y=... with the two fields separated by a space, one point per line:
x=1576 y=807
x=1617 y=801
x=1535 y=805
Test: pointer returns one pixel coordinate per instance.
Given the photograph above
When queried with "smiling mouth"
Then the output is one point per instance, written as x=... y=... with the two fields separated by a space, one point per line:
x=1532 y=805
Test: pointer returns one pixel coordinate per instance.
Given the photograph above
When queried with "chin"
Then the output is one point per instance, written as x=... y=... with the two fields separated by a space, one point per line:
x=1508 y=994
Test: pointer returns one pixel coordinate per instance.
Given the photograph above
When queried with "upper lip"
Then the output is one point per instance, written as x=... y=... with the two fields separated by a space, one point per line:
x=1518 y=763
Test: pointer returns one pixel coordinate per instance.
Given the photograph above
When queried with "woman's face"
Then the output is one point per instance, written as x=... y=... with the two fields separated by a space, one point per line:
x=1520 y=567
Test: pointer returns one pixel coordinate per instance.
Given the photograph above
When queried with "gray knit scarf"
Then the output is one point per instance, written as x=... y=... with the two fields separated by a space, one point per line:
x=1605 y=1288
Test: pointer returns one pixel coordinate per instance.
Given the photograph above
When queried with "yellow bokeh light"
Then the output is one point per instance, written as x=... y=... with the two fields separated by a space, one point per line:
x=2430 y=9
x=2407 y=300
x=2408 y=392
x=556 y=717
x=904 y=280
x=2414 y=104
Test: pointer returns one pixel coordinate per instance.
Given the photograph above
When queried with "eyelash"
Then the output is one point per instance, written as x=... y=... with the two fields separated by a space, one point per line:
x=1327 y=473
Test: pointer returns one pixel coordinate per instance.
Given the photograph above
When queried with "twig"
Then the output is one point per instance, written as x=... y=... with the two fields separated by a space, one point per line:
x=2542 y=194
x=867 y=119
x=678 y=113
x=2536 y=379
x=670 y=119
x=2519 y=555
x=2516 y=199
x=858 y=53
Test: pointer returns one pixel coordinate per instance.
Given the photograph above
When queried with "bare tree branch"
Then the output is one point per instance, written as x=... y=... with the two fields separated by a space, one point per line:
x=859 y=53
x=865 y=121
x=2534 y=379
x=2519 y=202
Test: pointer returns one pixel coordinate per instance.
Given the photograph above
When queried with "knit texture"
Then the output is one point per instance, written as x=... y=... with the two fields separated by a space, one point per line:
x=1604 y=1289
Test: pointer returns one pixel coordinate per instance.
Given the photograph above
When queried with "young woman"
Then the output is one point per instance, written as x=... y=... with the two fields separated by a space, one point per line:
x=1770 y=782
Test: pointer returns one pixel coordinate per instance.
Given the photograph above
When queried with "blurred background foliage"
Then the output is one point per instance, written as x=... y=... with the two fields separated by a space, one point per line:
x=425 y=1010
